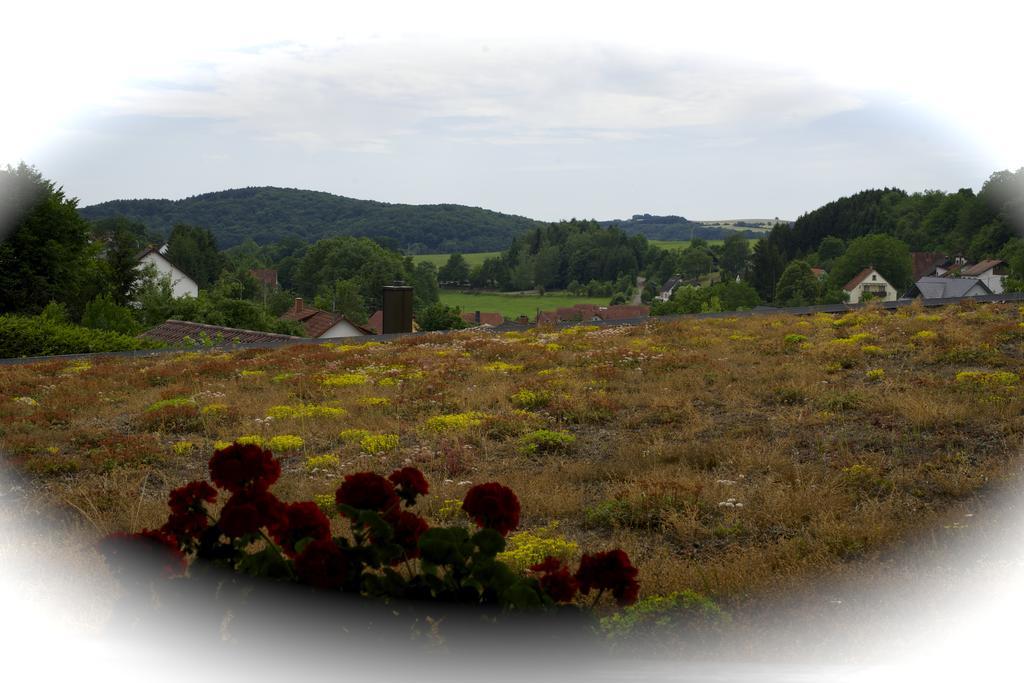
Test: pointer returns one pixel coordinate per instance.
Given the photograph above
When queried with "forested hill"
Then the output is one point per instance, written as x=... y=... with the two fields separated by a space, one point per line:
x=270 y=214
x=670 y=228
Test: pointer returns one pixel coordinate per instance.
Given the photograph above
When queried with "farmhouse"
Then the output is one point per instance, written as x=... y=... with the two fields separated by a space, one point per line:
x=320 y=324
x=478 y=319
x=869 y=283
x=181 y=284
x=992 y=272
x=593 y=313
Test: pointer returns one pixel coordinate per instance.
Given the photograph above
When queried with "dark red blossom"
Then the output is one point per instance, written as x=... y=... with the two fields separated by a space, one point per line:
x=247 y=512
x=610 y=570
x=493 y=506
x=408 y=528
x=149 y=553
x=409 y=482
x=300 y=520
x=249 y=467
x=322 y=564
x=188 y=516
x=368 y=491
x=556 y=580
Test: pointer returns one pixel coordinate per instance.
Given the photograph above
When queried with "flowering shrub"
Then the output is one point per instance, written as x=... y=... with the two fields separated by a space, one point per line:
x=524 y=398
x=373 y=401
x=260 y=535
x=285 y=442
x=375 y=444
x=250 y=440
x=305 y=410
x=353 y=435
x=456 y=421
x=875 y=375
x=321 y=462
x=527 y=548
x=546 y=441
x=346 y=379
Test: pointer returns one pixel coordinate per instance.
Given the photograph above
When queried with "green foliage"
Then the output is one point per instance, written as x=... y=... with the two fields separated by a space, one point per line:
x=546 y=441
x=797 y=286
x=194 y=251
x=455 y=270
x=889 y=256
x=103 y=314
x=38 y=336
x=663 y=614
x=735 y=254
x=440 y=317
x=45 y=253
x=269 y=214
x=722 y=296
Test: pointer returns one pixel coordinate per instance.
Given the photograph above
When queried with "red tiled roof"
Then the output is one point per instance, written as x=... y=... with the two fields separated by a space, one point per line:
x=175 y=332
x=923 y=263
x=624 y=312
x=376 y=322
x=586 y=312
x=493 y=319
x=315 y=321
x=858 y=278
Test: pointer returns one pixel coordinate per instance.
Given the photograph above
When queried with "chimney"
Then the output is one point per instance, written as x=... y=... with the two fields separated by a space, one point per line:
x=397 y=313
x=298 y=304
x=476 y=316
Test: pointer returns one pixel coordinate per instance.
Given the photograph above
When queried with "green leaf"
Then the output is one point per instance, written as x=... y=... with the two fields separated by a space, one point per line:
x=489 y=542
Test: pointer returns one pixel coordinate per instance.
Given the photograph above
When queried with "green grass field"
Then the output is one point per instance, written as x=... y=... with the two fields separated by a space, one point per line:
x=441 y=259
x=682 y=244
x=515 y=305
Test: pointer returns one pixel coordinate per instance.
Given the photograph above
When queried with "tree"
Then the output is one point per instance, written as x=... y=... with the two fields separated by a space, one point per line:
x=735 y=253
x=797 y=286
x=47 y=255
x=343 y=297
x=455 y=270
x=766 y=266
x=440 y=317
x=829 y=250
x=888 y=255
x=194 y=250
x=121 y=239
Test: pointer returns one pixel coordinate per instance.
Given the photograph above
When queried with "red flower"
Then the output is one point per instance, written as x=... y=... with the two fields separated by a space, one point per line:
x=409 y=483
x=188 y=516
x=493 y=506
x=247 y=511
x=368 y=491
x=239 y=467
x=408 y=528
x=150 y=552
x=322 y=564
x=556 y=580
x=300 y=520
x=612 y=571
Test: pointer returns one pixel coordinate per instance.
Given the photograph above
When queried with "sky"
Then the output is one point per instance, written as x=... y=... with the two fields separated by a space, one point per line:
x=547 y=110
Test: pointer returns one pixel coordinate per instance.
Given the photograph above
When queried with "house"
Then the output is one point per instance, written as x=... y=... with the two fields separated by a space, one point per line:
x=992 y=272
x=819 y=273
x=951 y=266
x=477 y=319
x=593 y=313
x=186 y=333
x=181 y=284
x=669 y=288
x=376 y=323
x=320 y=324
x=925 y=263
x=933 y=287
x=869 y=283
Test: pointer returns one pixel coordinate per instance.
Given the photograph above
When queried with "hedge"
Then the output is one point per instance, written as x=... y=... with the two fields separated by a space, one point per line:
x=22 y=336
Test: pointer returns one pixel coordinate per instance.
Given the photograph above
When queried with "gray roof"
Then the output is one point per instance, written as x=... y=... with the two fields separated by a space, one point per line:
x=946 y=287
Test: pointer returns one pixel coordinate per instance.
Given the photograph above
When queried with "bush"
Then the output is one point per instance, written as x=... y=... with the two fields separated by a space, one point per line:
x=22 y=336
x=547 y=441
x=103 y=314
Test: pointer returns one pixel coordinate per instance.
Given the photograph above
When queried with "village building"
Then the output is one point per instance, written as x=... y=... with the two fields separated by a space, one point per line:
x=478 y=319
x=320 y=324
x=933 y=287
x=992 y=272
x=593 y=313
x=181 y=284
x=869 y=283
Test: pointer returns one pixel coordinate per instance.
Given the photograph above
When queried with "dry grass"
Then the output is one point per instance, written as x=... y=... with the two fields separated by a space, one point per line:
x=726 y=456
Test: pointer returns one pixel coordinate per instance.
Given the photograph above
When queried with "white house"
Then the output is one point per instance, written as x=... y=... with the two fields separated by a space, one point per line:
x=320 y=324
x=181 y=283
x=992 y=272
x=869 y=282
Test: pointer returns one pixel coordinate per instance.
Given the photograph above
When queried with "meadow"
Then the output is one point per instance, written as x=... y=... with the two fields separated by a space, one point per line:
x=439 y=260
x=514 y=305
x=733 y=457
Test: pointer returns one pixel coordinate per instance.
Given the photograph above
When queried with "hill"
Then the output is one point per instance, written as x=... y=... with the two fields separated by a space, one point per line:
x=675 y=228
x=270 y=214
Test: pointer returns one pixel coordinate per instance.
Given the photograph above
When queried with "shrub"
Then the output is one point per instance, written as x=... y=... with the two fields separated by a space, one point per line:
x=455 y=422
x=305 y=410
x=321 y=462
x=525 y=398
x=375 y=444
x=662 y=614
x=546 y=441
x=353 y=435
x=527 y=548
x=285 y=442
x=39 y=336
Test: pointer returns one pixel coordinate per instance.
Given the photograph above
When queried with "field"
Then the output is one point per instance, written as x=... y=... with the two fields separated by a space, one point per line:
x=735 y=457
x=441 y=259
x=514 y=305
x=683 y=244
